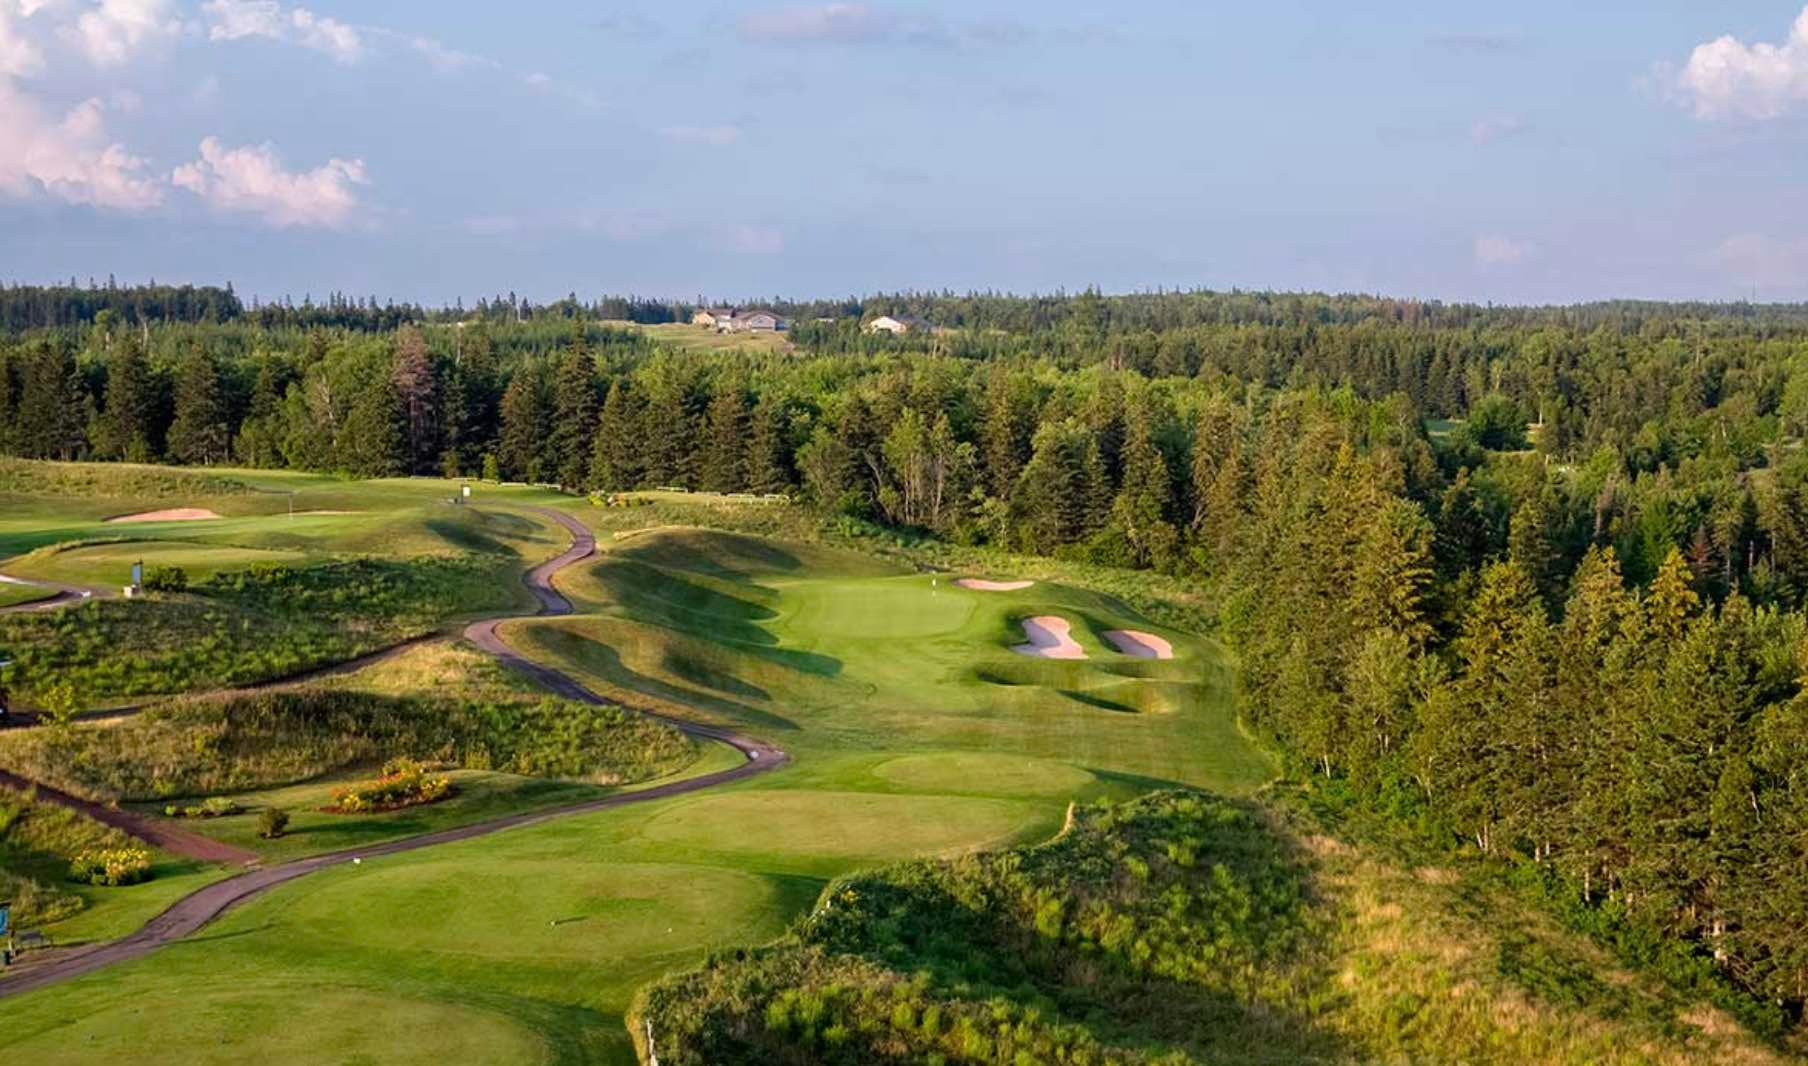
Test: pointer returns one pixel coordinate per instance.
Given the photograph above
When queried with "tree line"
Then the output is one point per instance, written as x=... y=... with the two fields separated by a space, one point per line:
x=1530 y=582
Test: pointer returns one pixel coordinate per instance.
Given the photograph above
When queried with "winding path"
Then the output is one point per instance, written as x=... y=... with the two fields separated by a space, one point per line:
x=60 y=595
x=195 y=910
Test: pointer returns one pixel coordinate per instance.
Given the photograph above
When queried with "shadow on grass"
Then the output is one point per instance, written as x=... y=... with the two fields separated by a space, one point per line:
x=605 y=662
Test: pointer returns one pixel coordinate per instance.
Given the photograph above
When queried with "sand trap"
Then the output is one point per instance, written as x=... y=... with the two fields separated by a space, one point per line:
x=1049 y=639
x=1141 y=645
x=981 y=585
x=174 y=514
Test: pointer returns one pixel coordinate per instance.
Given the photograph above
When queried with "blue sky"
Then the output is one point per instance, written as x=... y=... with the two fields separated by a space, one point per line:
x=430 y=151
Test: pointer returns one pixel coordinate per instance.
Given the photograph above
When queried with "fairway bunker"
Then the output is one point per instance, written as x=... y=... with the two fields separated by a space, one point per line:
x=1139 y=644
x=174 y=514
x=982 y=585
x=1049 y=638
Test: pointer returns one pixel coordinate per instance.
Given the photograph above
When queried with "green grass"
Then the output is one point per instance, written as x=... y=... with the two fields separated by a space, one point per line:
x=917 y=734
x=685 y=337
x=12 y=595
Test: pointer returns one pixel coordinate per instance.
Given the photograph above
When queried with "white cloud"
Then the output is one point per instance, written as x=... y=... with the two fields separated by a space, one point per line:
x=1728 y=78
x=1489 y=130
x=20 y=56
x=756 y=240
x=1767 y=262
x=712 y=135
x=842 y=24
x=445 y=58
x=251 y=180
x=1493 y=250
x=72 y=159
x=232 y=20
x=114 y=30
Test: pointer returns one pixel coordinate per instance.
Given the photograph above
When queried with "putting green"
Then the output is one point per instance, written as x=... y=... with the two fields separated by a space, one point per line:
x=278 y=1025
x=878 y=609
x=849 y=825
x=554 y=908
x=995 y=775
x=110 y=565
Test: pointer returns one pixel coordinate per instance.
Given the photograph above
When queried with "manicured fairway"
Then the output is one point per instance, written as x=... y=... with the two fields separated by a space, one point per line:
x=916 y=731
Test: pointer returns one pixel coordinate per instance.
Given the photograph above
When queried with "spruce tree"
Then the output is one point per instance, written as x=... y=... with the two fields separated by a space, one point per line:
x=723 y=466
x=374 y=442
x=131 y=403
x=199 y=434
x=521 y=451
x=574 y=416
x=615 y=463
x=417 y=391
x=768 y=449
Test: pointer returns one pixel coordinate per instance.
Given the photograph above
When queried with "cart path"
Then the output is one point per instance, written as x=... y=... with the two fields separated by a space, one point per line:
x=195 y=910
x=61 y=595
x=159 y=832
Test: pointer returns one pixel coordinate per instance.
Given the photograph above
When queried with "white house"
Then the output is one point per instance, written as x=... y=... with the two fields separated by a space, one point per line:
x=755 y=322
x=713 y=317
x=896 y=324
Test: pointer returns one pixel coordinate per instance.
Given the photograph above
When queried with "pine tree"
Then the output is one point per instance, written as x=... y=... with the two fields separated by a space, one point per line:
x=574 y=414
x=417 y=391
x=522 y=447
x=374 y=442
x=131 y=403
x=1144 y=502
x=199 y=434
x=723 y=467
x=615 y=463
x=768 y=449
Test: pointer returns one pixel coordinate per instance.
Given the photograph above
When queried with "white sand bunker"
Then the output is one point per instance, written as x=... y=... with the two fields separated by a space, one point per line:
x=1141 y=645
x=982 y=585
x=1049 y=639
x=174 y=514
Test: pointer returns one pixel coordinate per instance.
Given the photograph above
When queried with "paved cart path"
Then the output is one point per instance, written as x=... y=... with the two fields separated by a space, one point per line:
x=195 y=910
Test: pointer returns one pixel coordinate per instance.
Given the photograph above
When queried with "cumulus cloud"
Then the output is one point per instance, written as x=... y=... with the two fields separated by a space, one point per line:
x=114 y=30
x=20 y=56
x=718 y=136
x=1727 y=78
x=251 y=180
x=1494 y=250
x=70 y=159
x=232 y=20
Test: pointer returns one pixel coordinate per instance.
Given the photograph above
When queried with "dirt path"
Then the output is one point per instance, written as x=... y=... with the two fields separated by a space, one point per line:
x=195 y=910
x=65 y=595
x=157 y=831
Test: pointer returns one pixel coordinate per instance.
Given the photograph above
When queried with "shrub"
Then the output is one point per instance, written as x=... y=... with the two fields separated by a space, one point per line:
x=166 y=579
x=111 y=866
x=213 y=807
x=272 y=823
x=405 y=783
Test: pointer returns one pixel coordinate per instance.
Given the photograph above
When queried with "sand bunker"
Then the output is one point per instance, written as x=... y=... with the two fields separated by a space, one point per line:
x=981 y=585
x=1049 y=639
x=174 y=514
x=1141 y=645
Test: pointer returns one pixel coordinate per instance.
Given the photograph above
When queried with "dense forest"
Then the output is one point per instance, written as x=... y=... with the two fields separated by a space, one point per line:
x=1530 y=580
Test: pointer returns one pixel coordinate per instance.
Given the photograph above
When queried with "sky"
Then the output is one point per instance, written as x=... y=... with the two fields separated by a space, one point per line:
x=1536 y=152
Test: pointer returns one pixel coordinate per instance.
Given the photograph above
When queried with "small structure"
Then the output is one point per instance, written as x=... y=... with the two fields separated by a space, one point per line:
x=897 y=324
x=758 y=321
x=713 y=317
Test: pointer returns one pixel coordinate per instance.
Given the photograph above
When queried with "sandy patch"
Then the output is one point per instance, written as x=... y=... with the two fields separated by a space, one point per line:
x=174 y=514
x=1141 y=645
x=1049 y=639
x=982 y=585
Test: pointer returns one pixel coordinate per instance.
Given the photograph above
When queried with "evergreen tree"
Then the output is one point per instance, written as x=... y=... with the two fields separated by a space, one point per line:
x=199 y=434
x=768 y=446
x=417 y=390
x=374 y=442
x=131 y=404
x=723 y=466
x=615 y=458
x=574 y=414
x=521 y=451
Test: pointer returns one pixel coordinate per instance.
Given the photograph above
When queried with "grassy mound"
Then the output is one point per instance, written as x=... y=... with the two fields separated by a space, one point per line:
x=1176 y=929
x=236 y=628
x=1171 y=926
x=112 y=481
x=245 y=742
x=37 y=843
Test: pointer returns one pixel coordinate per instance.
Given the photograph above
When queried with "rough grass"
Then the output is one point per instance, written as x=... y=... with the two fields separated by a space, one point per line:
x=37 y=842
x=1176 y=928
x=130 y=481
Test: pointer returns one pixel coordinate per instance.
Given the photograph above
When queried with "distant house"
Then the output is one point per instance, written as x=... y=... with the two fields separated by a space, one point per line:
x=713 y=317
x=755 y=322
x=896 y=324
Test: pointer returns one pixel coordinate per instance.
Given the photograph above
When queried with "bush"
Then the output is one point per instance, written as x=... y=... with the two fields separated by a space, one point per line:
x=166 y=579
x=405 y=783
x=213 y=807
x=112 y=867
x=272 y=823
